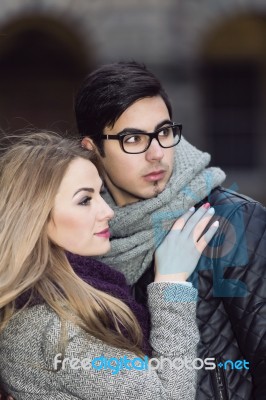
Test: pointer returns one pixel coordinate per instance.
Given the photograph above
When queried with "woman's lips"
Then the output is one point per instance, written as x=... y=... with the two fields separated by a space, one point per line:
x=155 y=176
x=105 y=233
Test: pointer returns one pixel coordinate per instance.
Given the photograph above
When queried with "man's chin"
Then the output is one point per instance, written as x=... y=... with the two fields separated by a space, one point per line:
x=123 y=198
x=158 y=187
x=154 y=192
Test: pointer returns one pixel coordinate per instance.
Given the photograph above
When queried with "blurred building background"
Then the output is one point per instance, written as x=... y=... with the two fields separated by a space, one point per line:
x=210 y=56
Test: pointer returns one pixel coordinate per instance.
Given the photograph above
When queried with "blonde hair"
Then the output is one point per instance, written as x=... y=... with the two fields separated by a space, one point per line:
x=31 y=171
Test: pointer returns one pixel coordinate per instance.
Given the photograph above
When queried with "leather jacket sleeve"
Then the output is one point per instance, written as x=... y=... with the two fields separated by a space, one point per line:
x=240 y=276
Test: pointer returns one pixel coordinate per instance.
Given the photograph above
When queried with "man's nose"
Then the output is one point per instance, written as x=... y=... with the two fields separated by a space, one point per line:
x=155 y=151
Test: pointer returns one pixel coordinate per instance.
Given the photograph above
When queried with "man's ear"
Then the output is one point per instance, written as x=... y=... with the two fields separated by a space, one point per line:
x=88 y=143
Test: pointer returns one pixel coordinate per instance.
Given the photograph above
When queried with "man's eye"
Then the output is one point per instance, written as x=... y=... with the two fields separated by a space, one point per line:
x=85 y=201
x=133 y=139
x=166 y=131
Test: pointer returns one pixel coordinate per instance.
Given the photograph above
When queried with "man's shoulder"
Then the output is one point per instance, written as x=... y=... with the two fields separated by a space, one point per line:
x=237 y=207
x=221 y=195
x=228 y=201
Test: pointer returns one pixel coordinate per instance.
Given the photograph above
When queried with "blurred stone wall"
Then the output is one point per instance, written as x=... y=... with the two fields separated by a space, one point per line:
x=174 y=39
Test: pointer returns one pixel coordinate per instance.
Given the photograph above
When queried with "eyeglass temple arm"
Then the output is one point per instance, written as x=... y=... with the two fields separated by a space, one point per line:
x=110 y=137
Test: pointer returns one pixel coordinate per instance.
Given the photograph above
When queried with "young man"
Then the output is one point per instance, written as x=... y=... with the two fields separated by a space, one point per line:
x=153 y=176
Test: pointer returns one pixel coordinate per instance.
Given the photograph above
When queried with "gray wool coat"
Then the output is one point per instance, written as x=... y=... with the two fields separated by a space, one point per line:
x=29 y=344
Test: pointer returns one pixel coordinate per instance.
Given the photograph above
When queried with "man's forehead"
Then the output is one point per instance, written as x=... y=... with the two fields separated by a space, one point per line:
x=145 y=114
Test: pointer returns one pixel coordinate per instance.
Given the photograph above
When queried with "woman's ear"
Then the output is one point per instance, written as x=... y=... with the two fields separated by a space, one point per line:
x=87 y=143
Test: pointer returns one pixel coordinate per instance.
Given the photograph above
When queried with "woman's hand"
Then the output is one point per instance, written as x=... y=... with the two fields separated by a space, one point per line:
x=179 y=253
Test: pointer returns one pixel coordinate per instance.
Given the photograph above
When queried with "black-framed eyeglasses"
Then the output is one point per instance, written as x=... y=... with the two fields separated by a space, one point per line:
x=135 y=143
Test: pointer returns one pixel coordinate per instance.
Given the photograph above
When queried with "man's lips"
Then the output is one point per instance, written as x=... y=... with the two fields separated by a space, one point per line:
x=155 y=175
x=105 y=233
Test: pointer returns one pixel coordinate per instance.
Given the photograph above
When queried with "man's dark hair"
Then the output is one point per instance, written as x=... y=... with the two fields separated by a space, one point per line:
x=108 y=91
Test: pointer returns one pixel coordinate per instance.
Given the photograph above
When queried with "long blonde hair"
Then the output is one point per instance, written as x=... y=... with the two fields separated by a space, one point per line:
x=30 y=174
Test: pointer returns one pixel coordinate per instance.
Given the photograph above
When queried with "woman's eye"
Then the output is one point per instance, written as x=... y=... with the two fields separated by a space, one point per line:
x=85 y=201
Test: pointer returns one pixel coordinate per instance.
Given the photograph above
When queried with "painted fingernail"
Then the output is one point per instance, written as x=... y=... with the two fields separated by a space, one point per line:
x=211 y=210
x=216 y=223
x=206 y=205
x=192 y=209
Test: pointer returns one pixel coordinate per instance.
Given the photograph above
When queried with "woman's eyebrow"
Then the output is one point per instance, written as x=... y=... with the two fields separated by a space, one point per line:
x=91 y=190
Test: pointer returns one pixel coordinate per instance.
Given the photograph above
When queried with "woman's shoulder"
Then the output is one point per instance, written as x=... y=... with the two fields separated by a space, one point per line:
x=38 y=315
x=32 y=335
x=27 y=327
x=38 y=321
x=29 y=344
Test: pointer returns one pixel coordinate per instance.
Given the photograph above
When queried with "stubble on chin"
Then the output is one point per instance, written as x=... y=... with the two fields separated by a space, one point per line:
x=156 y=189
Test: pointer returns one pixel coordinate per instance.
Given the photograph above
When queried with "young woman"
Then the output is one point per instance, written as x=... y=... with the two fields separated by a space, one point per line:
x=74 y=332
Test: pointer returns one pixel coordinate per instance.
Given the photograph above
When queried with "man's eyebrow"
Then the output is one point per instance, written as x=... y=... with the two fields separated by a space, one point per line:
x=136 y=130
x=164 y=122
x=91 y=190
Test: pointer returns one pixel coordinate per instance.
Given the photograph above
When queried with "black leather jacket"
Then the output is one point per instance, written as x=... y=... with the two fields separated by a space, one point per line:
x=231 y=312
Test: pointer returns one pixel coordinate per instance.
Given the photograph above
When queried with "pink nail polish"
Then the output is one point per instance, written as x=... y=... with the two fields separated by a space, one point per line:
x=206 y=205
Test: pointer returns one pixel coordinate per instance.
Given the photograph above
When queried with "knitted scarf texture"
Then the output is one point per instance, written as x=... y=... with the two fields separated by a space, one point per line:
x=138 y=228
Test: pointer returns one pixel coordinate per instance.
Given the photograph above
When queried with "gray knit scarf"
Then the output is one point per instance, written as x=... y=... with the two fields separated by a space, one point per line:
x=138 y=228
